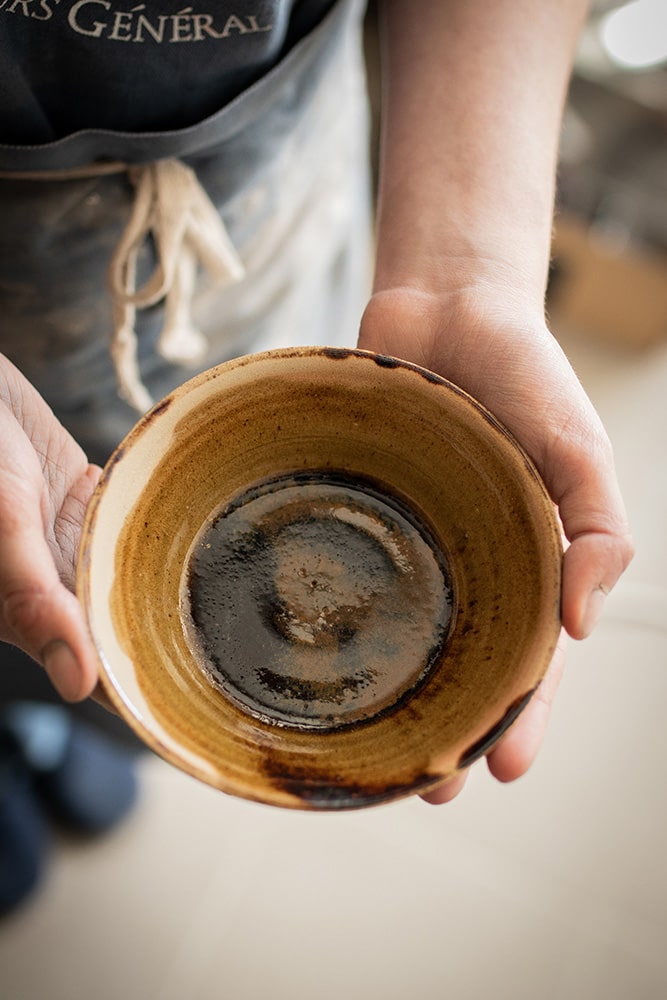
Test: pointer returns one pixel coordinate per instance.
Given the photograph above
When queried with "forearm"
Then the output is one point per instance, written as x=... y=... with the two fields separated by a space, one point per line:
x=473 y=92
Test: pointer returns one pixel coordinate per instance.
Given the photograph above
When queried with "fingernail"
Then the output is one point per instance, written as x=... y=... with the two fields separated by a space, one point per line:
x=593 y=612
x=63 y=668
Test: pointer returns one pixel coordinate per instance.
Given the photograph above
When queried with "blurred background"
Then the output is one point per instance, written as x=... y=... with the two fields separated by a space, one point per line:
x=611 y=233
x=553 y=887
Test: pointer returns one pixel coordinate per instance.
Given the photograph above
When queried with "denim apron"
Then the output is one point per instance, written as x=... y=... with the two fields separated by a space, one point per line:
x=284 y=165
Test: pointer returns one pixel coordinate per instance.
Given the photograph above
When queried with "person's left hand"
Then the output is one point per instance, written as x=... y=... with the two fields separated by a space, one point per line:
x=485 y=339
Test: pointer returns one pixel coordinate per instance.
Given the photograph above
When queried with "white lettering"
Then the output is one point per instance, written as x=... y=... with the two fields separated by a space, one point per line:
x=252 y=21
x=233 y=23
x=20 y=3
x=46 y=10
x=122 y=26
x=97 y=26
x=134 y=25
x=181 y=29
x=203 y=23
x=157 y=34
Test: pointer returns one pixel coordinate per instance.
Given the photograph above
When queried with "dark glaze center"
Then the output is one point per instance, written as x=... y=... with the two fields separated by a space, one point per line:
x=316 y=602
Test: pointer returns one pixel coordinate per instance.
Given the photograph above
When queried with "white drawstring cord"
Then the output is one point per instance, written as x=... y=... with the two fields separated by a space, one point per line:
x=171 y=206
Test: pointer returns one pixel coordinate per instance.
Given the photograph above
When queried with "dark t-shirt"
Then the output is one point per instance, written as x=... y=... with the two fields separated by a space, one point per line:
x=68 y=65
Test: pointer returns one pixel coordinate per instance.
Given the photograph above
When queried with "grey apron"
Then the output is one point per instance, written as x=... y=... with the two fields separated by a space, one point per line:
x=284 y=165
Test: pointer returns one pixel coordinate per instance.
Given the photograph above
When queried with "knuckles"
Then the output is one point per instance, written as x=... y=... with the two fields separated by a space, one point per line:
x=25 y=613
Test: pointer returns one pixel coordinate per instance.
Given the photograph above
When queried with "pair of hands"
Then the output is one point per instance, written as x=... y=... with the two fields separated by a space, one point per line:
x=505 y=358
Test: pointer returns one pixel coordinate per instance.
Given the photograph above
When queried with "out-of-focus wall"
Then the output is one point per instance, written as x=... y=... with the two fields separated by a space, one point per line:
x=610 y=243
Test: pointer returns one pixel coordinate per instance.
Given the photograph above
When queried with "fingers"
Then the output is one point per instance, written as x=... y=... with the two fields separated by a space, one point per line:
x=39 y=614
x=516 y=751
x=595 y=523
x=37 y=611
x=447 y=791
x=591 y=567
x=68 y=522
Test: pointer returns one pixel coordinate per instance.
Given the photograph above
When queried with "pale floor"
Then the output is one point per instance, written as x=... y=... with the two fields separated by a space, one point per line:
x=554 y=888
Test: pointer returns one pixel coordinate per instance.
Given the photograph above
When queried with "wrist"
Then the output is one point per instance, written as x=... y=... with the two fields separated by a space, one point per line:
x=442 y=256
x=465 y=284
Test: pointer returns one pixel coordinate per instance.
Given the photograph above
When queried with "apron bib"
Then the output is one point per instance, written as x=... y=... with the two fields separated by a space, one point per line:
x=284 y=259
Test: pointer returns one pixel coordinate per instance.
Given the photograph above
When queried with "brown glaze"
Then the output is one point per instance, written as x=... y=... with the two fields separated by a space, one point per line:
x=316 y=794
x=312 y=411
x=498 y=729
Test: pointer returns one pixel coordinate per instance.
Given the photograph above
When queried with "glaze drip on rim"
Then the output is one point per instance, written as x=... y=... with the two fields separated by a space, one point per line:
x=315 y=601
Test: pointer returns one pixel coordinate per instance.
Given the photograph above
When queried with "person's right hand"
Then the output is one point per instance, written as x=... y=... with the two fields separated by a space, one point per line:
x=45 y=484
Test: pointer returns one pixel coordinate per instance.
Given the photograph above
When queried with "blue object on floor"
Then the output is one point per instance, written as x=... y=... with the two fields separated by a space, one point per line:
x=24 y=833
x=85 y=778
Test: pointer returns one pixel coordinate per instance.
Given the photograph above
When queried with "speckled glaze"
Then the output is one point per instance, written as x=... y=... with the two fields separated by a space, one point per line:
x=375 y=419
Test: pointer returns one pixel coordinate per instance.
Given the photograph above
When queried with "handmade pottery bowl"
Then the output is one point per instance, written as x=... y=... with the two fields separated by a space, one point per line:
x=320 y=578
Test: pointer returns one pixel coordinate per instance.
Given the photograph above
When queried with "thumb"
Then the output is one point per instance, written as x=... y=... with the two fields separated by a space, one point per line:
x=595 y=525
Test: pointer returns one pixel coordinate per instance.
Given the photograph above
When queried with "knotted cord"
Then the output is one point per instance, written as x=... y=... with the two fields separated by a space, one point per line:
x=172 y=209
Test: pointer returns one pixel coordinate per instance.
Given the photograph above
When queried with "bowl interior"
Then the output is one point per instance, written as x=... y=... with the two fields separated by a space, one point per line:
x=484 y=577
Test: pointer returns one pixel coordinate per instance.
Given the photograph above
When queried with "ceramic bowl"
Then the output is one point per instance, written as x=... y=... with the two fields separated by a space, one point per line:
x=320 y=578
